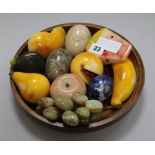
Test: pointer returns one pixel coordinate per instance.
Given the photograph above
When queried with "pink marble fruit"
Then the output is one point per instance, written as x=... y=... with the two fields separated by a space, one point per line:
x=66 y=85
x=109 y=46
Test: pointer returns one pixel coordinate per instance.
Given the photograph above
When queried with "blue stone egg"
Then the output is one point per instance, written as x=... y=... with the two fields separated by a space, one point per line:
x=100 y=88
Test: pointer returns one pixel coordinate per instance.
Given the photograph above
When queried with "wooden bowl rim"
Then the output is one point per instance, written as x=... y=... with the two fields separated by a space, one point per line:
x=96 y=125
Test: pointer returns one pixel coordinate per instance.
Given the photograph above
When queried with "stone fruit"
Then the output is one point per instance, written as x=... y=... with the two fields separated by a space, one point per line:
x=66 y=85
x=83 y=112
x=40 y=42
x=39 y=109
x=58 y=63
x=51 y=113
x=124 y=81
x=58 y=35
x=32 y=86
x=109 y=46
x=100 y=88
x=84 y=121
x=79 y=99
x=86 y=64
x=96 y=117
x=94 y=106
x=64 y=103
x=45 y=42
x=77 y=39
x=45 y=102
x=29 y=62
x=70 y=118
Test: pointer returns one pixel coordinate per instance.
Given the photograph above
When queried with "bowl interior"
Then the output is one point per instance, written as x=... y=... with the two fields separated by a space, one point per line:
x=110 y=115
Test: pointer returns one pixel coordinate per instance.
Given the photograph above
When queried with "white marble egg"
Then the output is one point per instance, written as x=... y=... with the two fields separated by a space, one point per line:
x=77 y=39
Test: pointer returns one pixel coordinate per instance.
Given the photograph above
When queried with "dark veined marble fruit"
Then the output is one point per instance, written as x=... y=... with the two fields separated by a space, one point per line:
x=29 y=62
x=58 y=63
x=100 y=88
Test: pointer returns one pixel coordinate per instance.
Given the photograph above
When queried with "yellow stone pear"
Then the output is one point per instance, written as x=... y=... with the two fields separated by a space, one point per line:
x=32 y=86
x=45 y=42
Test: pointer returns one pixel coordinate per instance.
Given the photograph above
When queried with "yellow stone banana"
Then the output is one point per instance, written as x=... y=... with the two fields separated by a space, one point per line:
x=124 y=81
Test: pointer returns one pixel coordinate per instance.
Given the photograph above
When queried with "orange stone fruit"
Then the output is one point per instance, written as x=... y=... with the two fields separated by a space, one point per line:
x=45 y=42
x=86 y=64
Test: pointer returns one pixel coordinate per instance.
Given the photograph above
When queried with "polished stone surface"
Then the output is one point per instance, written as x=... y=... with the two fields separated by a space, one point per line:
x=138 y=124
x=77 y=39
x=58 y=63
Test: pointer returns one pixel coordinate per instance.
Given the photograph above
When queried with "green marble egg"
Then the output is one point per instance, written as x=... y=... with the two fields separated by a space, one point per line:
x=58 y=63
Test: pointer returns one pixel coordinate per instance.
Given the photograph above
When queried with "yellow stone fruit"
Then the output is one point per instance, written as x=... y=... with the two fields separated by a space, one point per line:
x=124 y=81
x=95 y=38
x=32 y=86
x=86 y=62
x=58 y=35
x=45 y=42
x=40 y=42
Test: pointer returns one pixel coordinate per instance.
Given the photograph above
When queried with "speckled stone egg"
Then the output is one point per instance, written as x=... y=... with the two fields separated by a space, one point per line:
x=77 y=39
x=58 y=63
x=100 y=88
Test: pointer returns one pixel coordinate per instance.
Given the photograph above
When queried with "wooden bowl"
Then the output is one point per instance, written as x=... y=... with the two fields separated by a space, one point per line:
x=111 y=114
